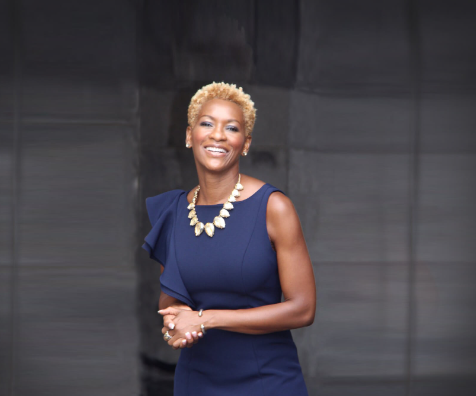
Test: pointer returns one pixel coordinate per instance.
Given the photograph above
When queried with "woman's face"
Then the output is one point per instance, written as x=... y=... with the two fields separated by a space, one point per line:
x=218 y=137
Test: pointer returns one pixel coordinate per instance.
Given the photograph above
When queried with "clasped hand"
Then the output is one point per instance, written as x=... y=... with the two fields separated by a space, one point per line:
x=183 y=325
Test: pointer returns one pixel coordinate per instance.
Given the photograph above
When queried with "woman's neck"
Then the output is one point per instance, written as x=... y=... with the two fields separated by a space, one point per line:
x=216 y=188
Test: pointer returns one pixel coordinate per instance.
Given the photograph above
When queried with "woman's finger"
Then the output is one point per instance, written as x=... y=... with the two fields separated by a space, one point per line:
x=165 y=329
x=168 y=311
x=176 y=344
x=182 y=342
x=189 y=339
x=168 y=321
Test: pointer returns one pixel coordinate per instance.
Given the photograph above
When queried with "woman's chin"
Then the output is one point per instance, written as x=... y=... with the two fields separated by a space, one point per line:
x=216 y=164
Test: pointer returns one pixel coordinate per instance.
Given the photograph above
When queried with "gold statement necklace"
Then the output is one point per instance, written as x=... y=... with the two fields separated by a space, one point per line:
x=218 y=221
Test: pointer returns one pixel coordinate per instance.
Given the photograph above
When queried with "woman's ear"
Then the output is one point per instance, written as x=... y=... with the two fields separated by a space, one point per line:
x=246 y=148
x=188 y=137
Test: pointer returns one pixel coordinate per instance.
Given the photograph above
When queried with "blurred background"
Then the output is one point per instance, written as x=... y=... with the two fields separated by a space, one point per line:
x=366 y=119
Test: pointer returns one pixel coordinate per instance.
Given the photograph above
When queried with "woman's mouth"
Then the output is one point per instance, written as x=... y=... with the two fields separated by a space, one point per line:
x=216 y=150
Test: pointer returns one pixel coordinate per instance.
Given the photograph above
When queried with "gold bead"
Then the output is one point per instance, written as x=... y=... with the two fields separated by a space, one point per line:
x=210 y=229
x=228 y=206
x=199 y=228
x=219 y=222
x=224 y=213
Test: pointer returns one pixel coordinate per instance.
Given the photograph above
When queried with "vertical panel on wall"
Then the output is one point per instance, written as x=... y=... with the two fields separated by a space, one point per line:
x=8 y=168
x=76 y=280
x=196 y=41
x=350 y=46
x=349 y=180
x=445 y=347
x=276 y=42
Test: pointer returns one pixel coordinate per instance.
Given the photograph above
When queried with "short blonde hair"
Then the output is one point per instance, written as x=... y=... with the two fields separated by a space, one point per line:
x=226 y=92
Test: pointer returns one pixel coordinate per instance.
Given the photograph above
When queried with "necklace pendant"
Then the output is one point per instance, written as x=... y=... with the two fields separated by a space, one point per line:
x=227 y=206
x=219 y=222
x=199 y=228
x=224 y=213
x=209 y=229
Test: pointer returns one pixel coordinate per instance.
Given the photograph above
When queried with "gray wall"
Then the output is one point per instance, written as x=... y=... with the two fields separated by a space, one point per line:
x=68 y=116
x=365 y=118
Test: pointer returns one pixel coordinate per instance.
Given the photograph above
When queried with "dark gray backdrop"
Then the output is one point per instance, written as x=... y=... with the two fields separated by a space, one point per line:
x=365 y=118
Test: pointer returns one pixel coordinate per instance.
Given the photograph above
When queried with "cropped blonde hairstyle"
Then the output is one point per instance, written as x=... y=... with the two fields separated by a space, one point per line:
x=226 y=92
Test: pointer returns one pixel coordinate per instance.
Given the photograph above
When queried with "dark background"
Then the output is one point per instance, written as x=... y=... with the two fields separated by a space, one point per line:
x=366 y=118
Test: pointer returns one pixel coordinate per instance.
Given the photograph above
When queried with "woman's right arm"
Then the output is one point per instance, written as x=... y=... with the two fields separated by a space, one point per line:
x=166 y=301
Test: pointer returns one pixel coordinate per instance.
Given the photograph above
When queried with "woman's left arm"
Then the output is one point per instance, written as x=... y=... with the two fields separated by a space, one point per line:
x=296 y=278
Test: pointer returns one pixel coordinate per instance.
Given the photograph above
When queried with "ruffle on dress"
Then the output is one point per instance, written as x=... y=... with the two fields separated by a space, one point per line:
x=160 y=244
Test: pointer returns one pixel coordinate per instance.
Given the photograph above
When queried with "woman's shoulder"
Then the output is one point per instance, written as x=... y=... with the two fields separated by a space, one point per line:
x=281 y=215
x=277 y=200
x=157 y=204
x=251 y=186
x=279 y=204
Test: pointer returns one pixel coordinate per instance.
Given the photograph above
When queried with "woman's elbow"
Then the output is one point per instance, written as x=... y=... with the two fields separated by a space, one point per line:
x=308 y=313
x=308 y=317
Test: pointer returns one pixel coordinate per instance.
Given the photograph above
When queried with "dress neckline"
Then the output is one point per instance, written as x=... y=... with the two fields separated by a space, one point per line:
x=221 y=204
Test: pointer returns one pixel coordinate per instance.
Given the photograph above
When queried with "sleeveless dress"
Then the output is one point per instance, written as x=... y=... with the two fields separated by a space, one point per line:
x=236 y=269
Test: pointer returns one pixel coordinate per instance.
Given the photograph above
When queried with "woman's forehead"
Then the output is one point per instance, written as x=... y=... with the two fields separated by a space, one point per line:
x=222 y=108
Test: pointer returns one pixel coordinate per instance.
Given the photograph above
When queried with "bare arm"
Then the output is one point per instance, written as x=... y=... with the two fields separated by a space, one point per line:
x=166 y=301
x=296 y=278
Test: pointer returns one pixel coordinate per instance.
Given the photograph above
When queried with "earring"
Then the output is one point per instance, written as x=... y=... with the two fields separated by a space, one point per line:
x=244 y=153
x=188 y=145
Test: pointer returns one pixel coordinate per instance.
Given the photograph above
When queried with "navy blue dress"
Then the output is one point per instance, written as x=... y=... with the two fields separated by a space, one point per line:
x=236 y=269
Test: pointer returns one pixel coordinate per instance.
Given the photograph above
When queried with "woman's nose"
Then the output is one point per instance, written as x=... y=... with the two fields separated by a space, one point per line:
x=218 y=133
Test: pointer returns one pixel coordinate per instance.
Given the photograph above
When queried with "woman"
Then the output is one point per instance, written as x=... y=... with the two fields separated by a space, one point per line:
x=229 y=249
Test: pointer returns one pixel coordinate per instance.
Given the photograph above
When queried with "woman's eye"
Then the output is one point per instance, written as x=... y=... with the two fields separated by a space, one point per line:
x=205 y=124
x=232 y=128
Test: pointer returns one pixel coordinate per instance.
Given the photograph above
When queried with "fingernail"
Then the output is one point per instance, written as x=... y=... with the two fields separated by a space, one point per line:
x=184 y=342
x=160 y=310
x=200 y=334
x=171 y=326
x=194 y=333
x=187 y=334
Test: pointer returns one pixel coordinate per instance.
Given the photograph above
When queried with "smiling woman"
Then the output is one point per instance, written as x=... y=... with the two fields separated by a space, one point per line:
x=218 y=137
x=229 y=284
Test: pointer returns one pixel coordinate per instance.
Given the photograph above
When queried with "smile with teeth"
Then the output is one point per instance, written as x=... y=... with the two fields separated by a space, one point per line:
x=216 y=150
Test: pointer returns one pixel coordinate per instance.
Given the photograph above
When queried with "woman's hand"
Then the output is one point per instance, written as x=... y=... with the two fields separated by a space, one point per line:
x=168 y=319
x=185 y=324
x=191 y=338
